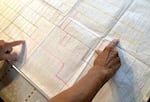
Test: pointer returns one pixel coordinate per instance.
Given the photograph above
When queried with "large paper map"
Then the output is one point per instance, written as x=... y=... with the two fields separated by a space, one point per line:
x=61 y=36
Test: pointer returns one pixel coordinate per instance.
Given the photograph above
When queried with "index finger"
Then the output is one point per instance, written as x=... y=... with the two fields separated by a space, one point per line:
x=15 y=43
x=113 y=43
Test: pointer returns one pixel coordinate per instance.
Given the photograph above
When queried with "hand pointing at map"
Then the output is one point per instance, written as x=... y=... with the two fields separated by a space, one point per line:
x=6 y=49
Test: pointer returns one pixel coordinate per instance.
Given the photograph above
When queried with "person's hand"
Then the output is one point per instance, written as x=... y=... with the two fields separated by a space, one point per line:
x=108 y=60
x=6 y=49
x=105 y=66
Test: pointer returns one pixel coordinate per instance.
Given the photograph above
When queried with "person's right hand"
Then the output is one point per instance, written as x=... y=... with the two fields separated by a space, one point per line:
x=108 y=60
x=105 y=66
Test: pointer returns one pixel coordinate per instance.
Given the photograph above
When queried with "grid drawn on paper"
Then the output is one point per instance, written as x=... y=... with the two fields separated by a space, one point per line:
x=62 y=5
x=34 y=26
x=115 y=32
x=27 y=33
x=120 y=22
x=110 y=15
x=20 y=27
x=23 y=19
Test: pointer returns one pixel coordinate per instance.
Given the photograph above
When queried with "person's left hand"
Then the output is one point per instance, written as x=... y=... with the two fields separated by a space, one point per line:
x=6 y=49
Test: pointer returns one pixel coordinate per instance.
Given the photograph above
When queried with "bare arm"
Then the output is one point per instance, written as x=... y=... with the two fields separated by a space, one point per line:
x=105 y=66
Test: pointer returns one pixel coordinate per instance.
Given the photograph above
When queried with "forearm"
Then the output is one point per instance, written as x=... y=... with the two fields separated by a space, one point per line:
x=84 y=90
x=105 y=66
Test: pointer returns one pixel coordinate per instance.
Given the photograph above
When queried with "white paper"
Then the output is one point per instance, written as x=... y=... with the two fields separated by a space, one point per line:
x=133 y=31
x=63 y=5
x=61 y=36
x=128 y=82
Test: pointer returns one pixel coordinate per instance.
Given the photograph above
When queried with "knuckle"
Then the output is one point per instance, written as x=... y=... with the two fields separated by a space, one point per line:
x=109 y=47
x=119 y=61
x=118 y=58
x=115 y=52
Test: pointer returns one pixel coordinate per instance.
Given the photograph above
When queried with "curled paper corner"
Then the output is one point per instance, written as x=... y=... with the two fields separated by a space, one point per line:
x=21 y=51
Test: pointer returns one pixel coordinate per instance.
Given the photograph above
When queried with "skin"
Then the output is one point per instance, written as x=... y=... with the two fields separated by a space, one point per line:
x=6 y=49
x=105 y=66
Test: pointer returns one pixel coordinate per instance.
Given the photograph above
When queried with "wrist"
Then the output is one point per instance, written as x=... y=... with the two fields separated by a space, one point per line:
x=100 y=73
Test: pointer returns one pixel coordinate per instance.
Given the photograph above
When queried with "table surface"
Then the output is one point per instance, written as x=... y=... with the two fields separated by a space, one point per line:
x=14 y=88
